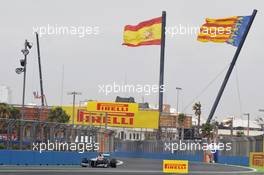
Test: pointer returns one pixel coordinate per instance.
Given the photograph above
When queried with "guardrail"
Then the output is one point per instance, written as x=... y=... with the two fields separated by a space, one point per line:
x=17 y=157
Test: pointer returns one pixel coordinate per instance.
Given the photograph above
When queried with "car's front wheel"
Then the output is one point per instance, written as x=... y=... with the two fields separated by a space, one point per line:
x=113 y=163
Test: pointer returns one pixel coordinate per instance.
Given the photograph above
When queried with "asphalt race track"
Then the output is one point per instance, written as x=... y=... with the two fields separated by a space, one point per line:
x=129 y=167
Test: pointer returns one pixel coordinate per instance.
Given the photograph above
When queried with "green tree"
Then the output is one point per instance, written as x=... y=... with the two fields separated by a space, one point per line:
x=207 y=130
x=181 y=119
x=240 y=134
x=15 y=112
x=8 y=111
x=197 y=112
x=58 y=115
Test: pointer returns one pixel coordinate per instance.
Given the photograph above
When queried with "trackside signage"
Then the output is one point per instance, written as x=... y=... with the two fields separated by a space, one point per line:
x=257 y=159
x=175 y=166
x=125 y=115
x=119 y=115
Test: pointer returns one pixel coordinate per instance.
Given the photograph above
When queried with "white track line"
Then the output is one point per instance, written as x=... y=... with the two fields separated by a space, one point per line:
x=119 y=162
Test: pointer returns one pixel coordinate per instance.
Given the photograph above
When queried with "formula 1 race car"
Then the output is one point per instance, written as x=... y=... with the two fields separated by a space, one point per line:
x=102 y=160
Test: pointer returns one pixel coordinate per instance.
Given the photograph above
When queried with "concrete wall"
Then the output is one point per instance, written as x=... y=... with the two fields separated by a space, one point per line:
x=234 y=160
x=16 y=157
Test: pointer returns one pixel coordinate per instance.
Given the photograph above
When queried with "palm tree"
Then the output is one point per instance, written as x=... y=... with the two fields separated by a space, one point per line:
x=197 y=112
x=58 y=115
x=8 y=112
x=181 y=119
x=4 y=110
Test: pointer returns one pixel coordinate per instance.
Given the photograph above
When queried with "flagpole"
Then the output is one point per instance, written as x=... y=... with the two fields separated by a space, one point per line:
x=161 y=75
x=40 y=72
x=230 y=69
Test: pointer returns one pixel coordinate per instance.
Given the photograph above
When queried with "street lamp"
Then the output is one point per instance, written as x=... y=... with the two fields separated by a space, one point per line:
x=73 y=104
x=178 y=89
x=23 y=63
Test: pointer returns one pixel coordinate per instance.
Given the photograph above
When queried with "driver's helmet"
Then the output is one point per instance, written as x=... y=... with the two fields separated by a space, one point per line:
x=100 y=156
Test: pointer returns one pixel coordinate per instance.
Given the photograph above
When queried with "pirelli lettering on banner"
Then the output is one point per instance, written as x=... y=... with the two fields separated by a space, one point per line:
x=113 y=119
x=175 y=166
x=112 y=107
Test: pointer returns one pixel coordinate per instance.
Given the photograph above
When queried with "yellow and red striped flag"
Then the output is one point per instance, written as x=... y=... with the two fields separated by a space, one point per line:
x=145 y=33
x=217 y=30
x=229 y=30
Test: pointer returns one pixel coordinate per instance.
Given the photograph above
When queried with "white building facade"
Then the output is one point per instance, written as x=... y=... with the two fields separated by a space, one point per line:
x=5 y=94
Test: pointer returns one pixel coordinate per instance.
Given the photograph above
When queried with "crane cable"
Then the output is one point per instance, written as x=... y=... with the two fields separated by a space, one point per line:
x=239 y=94
x=206 y=87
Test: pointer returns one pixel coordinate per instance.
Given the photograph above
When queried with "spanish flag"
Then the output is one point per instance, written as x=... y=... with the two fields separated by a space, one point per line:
x=229 y=30
x=145 y=33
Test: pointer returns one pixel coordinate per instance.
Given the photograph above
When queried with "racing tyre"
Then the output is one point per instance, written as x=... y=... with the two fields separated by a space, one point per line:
x=93 y=164
x=113 y=163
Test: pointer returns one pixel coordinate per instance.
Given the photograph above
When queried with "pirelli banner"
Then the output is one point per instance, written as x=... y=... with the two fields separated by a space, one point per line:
x=256 y=159
x=114 y=115
x=175 y=166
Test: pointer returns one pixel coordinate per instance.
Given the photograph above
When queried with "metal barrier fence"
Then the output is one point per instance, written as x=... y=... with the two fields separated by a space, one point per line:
x=43 y=132
x=156 y=146
x=154 y=150
x=39 y=131
x=240 y=146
